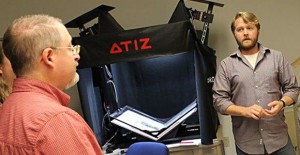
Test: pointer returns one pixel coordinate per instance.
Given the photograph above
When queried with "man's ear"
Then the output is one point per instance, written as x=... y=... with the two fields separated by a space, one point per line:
x=48 y=57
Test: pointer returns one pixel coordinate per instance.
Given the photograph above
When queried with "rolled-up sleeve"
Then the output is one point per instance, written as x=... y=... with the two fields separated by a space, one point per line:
x=221 y=90
x=288 y=80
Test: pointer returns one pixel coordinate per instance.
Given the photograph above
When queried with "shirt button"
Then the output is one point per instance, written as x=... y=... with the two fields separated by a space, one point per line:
x=260 y=141
x=258 y=101
x=256 y=86
x=261 y=129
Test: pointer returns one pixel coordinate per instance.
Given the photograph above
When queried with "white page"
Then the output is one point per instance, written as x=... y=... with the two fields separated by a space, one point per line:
x=140 y=121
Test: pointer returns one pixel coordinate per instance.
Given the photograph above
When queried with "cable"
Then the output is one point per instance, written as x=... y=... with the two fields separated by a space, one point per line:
x=115 y=90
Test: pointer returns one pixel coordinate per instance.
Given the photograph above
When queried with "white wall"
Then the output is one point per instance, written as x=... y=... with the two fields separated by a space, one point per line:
x=279 y=25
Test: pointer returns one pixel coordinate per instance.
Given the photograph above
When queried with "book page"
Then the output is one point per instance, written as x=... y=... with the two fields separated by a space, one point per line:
x=140 y=121
x=181 y=113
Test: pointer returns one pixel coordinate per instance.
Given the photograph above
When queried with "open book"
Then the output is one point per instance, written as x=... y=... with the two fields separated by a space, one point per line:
x=148 y=126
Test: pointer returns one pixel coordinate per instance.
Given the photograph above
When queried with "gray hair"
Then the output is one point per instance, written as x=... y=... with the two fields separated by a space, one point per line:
x=27 y=37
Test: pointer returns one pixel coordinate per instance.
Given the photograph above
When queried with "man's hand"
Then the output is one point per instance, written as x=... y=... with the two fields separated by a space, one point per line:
x=255 y=111
x=276 y=106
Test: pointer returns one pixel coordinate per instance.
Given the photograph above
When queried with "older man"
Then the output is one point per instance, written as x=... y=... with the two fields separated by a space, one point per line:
x=35 y=118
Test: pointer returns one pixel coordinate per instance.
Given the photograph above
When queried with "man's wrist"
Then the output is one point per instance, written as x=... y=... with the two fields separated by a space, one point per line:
x=283 y=103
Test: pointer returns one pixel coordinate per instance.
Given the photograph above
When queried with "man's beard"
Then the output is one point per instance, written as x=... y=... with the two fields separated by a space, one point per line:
x=248 y=46
x=73 y=81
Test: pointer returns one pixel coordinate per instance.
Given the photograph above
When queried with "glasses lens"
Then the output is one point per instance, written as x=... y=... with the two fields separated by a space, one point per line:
x=76 y=49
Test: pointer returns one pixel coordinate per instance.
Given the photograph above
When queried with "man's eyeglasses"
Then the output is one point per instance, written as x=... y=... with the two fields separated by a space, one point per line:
x=75 y=49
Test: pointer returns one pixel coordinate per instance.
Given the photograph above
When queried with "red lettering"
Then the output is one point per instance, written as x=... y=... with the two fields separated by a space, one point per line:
x=115 y=49
x=126 y=43
x=145 y=42
x=136 y=45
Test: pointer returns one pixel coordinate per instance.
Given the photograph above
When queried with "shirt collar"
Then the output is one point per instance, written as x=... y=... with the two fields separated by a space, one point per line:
x=262 y=50
x=33 y=85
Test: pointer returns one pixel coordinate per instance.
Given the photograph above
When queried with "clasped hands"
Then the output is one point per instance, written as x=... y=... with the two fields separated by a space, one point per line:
x=256 y=112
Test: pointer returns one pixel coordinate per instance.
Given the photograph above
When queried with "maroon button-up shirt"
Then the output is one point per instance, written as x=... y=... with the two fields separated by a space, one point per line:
x=34 y=120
